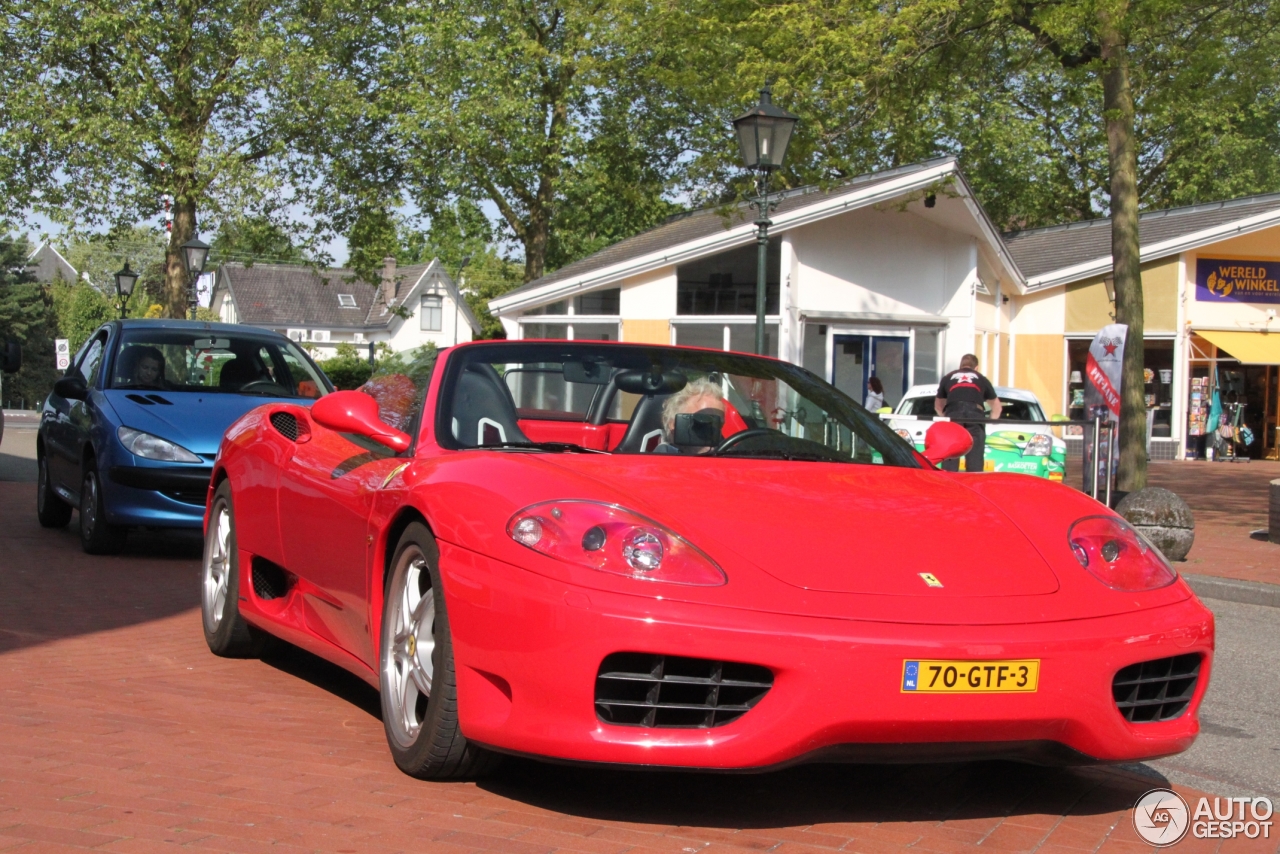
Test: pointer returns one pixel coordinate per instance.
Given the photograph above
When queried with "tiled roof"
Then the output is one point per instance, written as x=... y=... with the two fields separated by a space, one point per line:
x=285 y=296
x=709 y=221
x=1043 y=250
x=47 y=264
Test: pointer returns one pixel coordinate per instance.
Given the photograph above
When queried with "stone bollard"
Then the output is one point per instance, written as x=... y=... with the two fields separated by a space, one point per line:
x=1273 y=514
x=1163 y=518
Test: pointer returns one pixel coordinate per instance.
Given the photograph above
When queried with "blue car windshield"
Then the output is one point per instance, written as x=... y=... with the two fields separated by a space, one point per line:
x=218 y=362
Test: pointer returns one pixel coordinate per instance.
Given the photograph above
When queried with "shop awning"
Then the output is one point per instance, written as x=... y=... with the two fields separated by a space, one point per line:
x=1253 y=348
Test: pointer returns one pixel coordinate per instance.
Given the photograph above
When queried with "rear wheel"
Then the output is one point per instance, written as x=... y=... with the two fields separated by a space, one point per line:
x=418 y=684
x=51 y=510
x=225 y=631
x=97 y=535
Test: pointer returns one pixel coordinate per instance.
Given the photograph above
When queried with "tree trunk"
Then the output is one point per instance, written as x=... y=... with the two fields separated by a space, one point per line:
x=177 y=284
x=537 y=233
x=1125 y=251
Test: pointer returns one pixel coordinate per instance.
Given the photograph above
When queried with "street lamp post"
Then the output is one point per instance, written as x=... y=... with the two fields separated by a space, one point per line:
x=763 y=134
x=194 y=253
x=125 y=280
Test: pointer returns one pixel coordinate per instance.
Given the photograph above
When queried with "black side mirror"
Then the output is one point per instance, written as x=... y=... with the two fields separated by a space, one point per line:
x=10 y=356
x=71 y=388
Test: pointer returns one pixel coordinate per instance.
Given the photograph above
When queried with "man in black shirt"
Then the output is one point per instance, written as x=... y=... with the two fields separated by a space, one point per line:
x=961 y=396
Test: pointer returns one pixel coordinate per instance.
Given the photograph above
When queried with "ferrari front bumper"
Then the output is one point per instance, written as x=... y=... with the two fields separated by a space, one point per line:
x=527 y=651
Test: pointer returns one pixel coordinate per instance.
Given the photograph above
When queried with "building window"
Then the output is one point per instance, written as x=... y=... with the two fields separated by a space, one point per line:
x=575 y=331
x=346 y=300
x=739 y=337
x=726 y=283
x=432 y=315
x=600 y=302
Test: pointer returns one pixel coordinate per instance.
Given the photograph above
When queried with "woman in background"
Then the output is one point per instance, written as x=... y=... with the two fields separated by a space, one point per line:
x=875 y=395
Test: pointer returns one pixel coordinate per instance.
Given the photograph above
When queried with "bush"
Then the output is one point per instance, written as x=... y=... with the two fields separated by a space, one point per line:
x=347 y=371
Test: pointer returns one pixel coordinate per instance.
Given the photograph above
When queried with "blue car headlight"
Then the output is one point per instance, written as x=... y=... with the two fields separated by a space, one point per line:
x=153 y=447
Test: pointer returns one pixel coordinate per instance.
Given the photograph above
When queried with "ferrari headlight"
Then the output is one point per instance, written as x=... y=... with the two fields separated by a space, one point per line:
x=612 y=539
x=1117 y=555
x=1039 y=445
x=153 y=447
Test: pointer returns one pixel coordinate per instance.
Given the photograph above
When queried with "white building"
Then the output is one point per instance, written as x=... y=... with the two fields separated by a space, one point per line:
x=895 y=274
x=410 y=306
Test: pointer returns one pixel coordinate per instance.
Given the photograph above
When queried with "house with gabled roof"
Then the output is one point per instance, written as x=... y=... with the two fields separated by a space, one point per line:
x=1211 y=292
x=894 y=274
x=409 y=307
x=48 y=265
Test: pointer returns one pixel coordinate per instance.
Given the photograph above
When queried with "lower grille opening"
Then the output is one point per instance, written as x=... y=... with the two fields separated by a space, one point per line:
x=643 y=689
x=270 y=581
x=1157 y=690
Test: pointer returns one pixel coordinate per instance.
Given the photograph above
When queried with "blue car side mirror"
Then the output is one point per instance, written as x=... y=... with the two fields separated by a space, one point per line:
x=71 y=388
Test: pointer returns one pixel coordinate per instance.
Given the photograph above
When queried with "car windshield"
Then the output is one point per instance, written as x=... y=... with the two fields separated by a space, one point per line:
x=593 y=398
x=219 y=362
x=1010 y=409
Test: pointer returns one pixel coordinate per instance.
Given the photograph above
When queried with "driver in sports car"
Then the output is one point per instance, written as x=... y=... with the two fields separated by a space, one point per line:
x=704 y=401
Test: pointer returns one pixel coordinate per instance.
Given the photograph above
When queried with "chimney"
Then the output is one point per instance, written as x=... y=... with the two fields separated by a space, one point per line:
x=389 y=284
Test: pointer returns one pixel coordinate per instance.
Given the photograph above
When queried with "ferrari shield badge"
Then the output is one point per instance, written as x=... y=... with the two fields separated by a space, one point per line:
x=931 y=579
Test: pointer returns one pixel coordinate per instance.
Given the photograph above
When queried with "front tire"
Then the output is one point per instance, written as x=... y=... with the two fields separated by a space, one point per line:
x=416 y=670
x=51 y=510
x=97 y=535
x=225 y=630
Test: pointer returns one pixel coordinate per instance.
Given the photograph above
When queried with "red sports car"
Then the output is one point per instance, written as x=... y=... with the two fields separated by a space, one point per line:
x=679 y=557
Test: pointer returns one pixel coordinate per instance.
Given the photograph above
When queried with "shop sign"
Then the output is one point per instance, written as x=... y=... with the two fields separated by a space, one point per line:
x=1102 y=374
x=1219 y=280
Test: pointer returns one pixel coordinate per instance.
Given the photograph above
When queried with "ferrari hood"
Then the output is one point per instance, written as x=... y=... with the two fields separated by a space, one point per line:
x=833 y=527
x=193 y=420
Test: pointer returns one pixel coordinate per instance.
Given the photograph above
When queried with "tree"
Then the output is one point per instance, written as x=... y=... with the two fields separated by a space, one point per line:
x=250 y=239
x=111 y=108
x=517 y=102
x=26 y=316
x=1106 y=99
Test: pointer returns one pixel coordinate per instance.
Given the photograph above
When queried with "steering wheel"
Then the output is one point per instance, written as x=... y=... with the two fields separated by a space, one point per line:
x=742 y=436
x=264 y=385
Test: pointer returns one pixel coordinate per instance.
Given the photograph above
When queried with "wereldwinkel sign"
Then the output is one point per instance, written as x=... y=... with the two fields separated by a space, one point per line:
x=1221 y=280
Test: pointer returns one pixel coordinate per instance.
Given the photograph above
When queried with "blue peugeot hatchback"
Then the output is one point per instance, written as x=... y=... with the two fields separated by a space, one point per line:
x=130 y=432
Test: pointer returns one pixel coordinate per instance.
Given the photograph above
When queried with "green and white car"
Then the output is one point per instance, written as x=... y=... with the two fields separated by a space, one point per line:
x=1025 y=448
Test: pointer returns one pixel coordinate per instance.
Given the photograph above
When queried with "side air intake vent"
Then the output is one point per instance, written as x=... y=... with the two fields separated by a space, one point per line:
x=1157 y=690
x=640 y=689
x=286 y=424
x=269 y=580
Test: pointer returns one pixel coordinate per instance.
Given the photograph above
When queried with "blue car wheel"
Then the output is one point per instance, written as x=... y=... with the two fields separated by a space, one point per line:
x=97 y=535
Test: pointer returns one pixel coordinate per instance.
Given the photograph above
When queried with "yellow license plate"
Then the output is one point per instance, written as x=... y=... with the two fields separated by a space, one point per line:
x=920 y=676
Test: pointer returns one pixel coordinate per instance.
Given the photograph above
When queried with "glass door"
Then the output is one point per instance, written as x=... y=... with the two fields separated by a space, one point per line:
x=858 y=358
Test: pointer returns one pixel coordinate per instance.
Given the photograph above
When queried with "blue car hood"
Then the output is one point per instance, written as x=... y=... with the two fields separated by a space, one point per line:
x=194 y=420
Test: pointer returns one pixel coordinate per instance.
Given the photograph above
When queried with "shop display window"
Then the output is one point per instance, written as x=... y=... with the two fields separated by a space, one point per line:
x=1157 y=360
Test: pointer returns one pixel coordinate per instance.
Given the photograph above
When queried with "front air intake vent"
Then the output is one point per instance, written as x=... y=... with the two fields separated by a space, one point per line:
x=1157 y=690
x=641 y=689
x=286 y=424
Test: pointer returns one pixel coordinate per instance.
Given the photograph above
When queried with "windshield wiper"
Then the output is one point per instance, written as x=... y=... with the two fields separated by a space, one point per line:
x=553 y=447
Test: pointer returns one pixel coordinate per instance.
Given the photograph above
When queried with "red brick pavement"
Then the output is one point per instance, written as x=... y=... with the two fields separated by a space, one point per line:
x=1229 y=500
x=120 y=732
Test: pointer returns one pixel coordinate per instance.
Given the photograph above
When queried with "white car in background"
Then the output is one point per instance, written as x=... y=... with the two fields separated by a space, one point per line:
x=1024 y=448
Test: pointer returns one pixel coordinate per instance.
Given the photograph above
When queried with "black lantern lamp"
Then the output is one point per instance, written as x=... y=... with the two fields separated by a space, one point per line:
x=125 y=280
x=763 y=132
x=194 y=253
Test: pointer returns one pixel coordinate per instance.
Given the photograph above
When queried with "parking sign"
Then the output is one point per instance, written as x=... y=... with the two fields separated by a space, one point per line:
x=62 y=349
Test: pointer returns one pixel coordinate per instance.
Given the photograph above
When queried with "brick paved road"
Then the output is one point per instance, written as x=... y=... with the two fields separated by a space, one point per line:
x=120 y=732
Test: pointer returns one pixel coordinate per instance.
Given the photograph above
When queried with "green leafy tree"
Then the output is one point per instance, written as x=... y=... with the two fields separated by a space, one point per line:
x=1095 y=104
x=26 y=316
x=250 y=239
x=524 y=104
x=80 y=308
x=109 y=108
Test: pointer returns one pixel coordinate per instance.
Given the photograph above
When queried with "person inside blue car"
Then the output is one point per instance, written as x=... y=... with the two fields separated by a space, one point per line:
x=140 y=366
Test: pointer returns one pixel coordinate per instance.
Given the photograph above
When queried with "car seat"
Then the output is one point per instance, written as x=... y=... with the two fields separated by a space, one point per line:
x=644 y=433
x=238 y=373
x=483 y=411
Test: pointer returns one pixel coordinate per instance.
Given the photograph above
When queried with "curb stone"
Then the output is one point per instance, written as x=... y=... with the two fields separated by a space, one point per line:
x=1248 y=592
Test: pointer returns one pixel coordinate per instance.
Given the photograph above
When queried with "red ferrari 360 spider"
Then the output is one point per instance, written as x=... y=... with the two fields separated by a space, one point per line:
x=678 y=557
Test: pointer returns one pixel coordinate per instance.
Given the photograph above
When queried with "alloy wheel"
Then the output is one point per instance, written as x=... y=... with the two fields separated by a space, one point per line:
x=217 y=566
x=408 y=646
